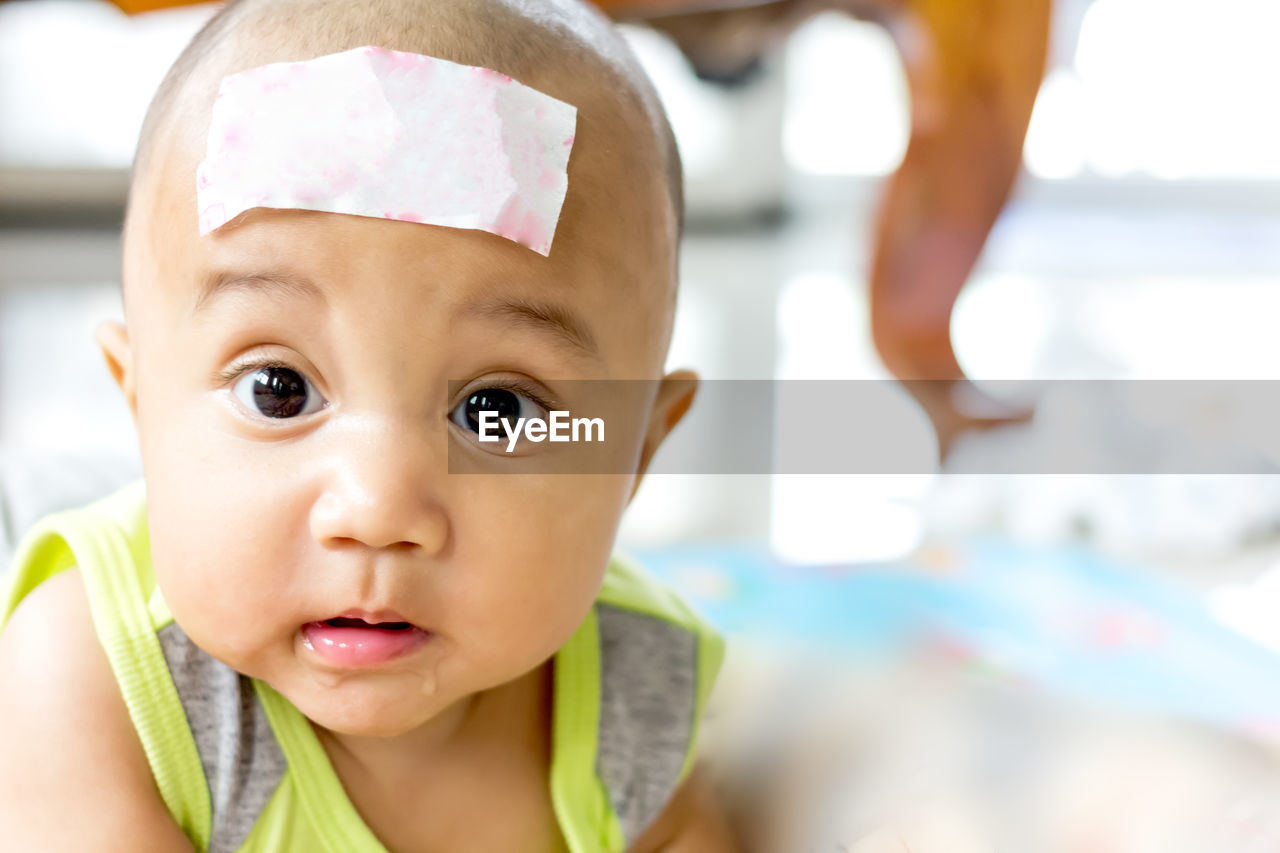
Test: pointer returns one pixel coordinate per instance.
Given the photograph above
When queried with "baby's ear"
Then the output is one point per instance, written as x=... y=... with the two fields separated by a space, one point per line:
x=113 y=338
x=675 y=396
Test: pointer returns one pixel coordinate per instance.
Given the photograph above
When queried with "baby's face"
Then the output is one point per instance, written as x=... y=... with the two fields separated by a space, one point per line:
x=291 y=378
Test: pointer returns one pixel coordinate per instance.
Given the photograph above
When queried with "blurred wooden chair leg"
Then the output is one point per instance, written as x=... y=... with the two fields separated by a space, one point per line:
x=974 y=70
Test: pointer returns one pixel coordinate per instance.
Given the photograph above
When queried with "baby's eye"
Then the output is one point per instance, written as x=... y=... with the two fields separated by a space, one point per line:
x=277 y=392
x=507 y=405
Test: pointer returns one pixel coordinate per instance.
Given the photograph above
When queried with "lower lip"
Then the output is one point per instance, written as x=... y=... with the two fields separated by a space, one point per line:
x=361 y=647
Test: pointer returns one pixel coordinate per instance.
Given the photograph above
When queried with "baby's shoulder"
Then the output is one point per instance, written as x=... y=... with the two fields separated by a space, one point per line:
x=49 y=650
x=74 y=770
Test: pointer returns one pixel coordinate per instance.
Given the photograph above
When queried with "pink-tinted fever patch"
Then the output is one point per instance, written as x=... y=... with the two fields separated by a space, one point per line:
x=389 y=134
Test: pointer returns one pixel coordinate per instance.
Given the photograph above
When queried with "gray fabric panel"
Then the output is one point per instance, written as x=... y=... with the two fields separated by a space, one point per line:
x=648 y=684
x=242 y=761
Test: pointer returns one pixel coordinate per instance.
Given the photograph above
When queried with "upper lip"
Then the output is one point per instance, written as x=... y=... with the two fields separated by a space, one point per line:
x=373 y=617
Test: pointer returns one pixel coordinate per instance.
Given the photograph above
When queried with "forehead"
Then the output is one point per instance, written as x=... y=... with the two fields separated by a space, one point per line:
x=291 y=254
x=392 y=275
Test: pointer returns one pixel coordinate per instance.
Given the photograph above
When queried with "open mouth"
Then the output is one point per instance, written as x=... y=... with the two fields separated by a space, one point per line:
x=356 y=642
x=347 y=622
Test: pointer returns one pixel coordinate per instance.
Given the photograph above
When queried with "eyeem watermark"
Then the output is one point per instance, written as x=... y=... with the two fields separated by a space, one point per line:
x=560 y=427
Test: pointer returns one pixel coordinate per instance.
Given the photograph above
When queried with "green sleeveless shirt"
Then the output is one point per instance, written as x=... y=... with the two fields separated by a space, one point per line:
x=240 y=768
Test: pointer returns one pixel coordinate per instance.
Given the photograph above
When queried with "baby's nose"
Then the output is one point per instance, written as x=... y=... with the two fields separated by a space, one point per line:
x=380 y=493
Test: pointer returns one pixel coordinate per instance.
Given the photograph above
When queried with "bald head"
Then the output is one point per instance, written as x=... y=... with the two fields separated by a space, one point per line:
x=538 y=42
x=620 y=221
x=624 y=167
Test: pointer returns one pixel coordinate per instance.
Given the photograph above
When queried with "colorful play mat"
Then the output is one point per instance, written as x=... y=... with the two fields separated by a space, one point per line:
x=1064 y=619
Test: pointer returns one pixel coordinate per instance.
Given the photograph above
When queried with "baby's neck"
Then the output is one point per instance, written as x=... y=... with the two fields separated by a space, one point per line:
x=494 y=748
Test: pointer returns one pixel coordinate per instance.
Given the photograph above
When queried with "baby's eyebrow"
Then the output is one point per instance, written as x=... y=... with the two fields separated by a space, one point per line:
x=272 y=283
x=560 y=321
x=544 y=316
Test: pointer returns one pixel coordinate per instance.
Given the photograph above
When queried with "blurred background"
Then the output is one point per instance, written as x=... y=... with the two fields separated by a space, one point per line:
x=1094 y=654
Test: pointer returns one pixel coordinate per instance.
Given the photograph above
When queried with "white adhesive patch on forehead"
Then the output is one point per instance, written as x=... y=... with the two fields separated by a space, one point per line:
x=377 y=132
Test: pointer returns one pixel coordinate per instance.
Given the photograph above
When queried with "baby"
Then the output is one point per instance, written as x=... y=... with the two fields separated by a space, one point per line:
x=333 y=619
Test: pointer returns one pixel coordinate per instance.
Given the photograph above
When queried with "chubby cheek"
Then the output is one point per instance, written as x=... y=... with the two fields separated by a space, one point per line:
x=532 y=551
x=225 y=539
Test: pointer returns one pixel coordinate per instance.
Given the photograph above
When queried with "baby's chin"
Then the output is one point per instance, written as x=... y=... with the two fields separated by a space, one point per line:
x=381 y=710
